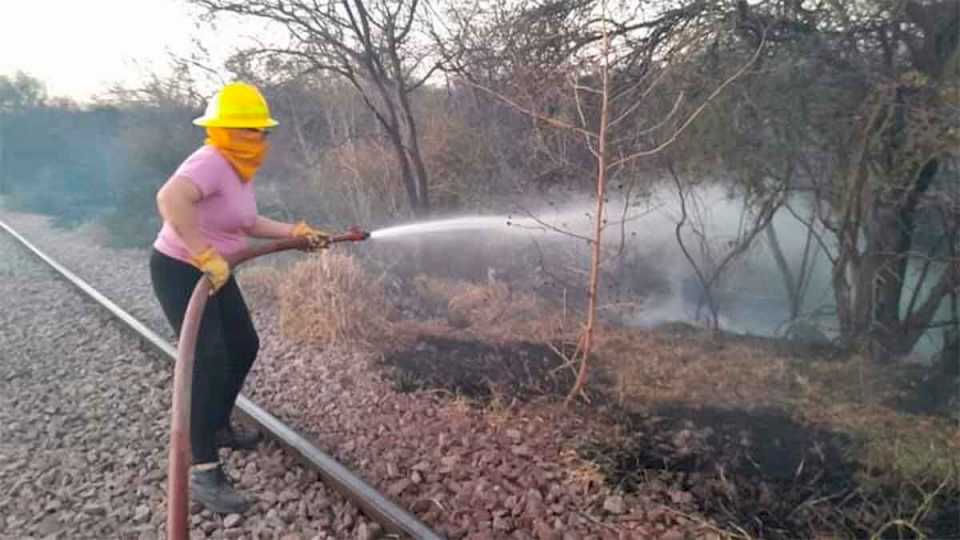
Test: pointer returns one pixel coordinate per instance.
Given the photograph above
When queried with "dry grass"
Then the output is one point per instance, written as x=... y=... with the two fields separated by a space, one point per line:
x=651 y=368
x=471 y=304
x=893 y=445
x=330 y=299
x=581 y=471
x=848 y=395
x=498 y=412
x=859 y=398
x=460 y=406
x=491 y=311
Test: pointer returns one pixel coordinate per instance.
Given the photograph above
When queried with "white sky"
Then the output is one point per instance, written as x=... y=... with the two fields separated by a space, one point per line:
x=82 y=47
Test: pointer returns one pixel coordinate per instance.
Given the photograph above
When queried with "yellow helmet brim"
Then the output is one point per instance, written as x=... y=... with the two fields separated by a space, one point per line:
x=259 y=123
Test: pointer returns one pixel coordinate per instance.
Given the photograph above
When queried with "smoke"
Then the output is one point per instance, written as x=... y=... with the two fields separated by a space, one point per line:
x=648 y=280
x=750 y=292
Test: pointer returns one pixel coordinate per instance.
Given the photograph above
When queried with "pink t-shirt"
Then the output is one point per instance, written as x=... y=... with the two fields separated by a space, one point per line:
x=226 y=210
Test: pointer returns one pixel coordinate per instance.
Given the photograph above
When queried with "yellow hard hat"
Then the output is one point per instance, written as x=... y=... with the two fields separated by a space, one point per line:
x=237 y=105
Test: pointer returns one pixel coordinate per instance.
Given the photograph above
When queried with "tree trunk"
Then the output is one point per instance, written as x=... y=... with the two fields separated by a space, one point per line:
x=790 y=284
x=876 y=317
x=406 y=173
x=418 y=168
x=391 y=124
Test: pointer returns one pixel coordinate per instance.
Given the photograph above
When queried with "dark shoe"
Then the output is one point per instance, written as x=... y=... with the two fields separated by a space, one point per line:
x=229 y=437
x=214 y=491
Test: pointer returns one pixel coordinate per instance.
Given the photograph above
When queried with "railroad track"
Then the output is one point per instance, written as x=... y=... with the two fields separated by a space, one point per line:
x=372 y=503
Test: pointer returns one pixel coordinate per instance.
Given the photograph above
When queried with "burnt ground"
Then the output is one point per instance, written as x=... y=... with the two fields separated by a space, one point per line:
x=762 y=472
x=746 y=469
x=755 y=470
x=481 y=371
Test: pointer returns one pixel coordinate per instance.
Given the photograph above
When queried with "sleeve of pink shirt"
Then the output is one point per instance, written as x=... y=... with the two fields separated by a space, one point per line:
x=203 y=170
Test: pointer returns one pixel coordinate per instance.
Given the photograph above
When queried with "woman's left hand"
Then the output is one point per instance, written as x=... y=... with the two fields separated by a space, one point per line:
x=317 y=238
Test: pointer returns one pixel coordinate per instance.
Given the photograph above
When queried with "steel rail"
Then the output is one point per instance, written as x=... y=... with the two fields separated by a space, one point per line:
x=379 y=508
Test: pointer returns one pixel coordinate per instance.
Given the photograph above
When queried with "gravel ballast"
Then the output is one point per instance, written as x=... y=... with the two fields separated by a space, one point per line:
x=84 y=417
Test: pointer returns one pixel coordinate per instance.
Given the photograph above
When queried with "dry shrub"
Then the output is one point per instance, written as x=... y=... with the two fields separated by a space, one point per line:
x=491 y=311
x=330 y=299
x=467 y=303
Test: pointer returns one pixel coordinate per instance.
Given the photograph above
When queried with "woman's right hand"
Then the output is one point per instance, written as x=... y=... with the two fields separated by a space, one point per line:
x=317 y=239
x=214 y=266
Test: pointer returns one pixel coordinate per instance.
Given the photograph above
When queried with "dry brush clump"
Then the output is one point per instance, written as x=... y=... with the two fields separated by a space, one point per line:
x=330 y=300
x=491 y=311
x=333 y=300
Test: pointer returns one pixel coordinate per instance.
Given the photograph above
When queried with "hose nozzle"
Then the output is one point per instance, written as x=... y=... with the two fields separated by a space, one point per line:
x=353 y=234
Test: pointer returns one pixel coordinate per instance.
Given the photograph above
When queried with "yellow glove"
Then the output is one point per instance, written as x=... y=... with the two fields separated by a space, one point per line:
x=318 y=239
x=214 y=266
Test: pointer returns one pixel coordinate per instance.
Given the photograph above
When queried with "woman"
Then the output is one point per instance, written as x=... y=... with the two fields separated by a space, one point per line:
x=209 y=210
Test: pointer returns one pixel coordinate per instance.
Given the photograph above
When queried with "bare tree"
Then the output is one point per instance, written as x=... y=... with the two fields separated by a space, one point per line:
x=370 y=43
x=889 y=122
x=758 y=209
x=609 y=71
x=859 y=99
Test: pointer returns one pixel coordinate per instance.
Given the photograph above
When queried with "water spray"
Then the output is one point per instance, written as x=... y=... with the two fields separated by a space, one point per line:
x=473 y=223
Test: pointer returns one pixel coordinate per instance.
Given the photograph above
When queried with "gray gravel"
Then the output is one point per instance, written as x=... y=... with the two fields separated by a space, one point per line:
x=84 y=415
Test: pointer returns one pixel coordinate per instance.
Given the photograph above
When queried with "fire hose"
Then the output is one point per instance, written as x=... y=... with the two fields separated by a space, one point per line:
x=178 y=467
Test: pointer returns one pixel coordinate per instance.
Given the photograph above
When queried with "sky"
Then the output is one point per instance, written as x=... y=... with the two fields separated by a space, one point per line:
x=82 y=47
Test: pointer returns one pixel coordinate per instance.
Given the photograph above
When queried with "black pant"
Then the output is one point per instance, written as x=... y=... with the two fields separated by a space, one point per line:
x=226 y=347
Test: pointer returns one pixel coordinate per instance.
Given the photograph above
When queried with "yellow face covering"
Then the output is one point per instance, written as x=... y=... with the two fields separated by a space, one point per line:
x=245 y=155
